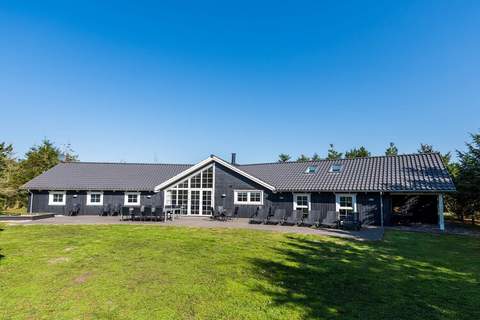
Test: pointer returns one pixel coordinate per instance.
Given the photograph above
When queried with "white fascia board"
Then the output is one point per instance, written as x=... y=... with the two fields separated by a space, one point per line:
x=206 y=162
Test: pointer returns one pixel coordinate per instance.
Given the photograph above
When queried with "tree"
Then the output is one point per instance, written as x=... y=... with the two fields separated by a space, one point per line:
x=333 y=154
x=446 y=157
x=8 y=166
x=316 y=157
x=357 y=153
x=283 y=157
x=392 y=150
x=303 y=158
x=468 y=179
x=38 y=160
x=67 y=154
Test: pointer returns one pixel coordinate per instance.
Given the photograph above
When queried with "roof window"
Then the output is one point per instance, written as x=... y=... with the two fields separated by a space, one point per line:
x=335 y=168
x=311 y=169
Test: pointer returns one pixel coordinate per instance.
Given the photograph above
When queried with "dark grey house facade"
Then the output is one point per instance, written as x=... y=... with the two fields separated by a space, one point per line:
x=384 y=190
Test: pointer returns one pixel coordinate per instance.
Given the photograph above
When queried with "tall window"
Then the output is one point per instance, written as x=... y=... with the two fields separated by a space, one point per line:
x=301 y=201
x=346 y=204
x=248 y=197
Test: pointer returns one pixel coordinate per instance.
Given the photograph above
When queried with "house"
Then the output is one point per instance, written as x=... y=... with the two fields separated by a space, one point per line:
x=384 y=189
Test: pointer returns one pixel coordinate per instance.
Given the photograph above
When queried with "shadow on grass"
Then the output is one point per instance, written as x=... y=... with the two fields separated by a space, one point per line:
x=349 y=280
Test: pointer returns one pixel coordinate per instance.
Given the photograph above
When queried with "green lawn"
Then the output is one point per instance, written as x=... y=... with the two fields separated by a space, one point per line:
x=148 y=272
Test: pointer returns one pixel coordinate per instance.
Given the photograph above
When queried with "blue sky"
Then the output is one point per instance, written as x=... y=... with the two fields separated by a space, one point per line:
x=176 y=81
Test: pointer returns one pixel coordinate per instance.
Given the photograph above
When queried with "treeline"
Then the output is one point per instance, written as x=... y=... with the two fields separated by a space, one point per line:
x=465 y=203
x=360 y=152
x=14 y=172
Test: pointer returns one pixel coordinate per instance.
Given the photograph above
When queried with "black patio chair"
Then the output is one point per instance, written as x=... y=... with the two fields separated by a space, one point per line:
x=105 y=210
x=117 y=209
x=220 y=213
x=133 y=212
x=229 y=215
x=330 y=220
x=124 y=213
x=158 y=214
x=351 y=221
x=294 y=218
x=260 y=215
x=75 y=210
x=277 y=217
x=146 y=212
x=312 y=219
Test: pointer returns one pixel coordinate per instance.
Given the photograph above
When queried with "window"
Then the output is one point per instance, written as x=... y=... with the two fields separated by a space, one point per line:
x=94 y=198
x=336 y=168
x=346 y=203
x=311 y=169
x=132 y=198
x=56 y=198
x=301 y=201
x=194 y=195
x=248 y=197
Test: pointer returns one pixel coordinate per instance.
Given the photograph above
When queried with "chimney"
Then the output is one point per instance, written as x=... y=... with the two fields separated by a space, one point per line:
x=234 y=159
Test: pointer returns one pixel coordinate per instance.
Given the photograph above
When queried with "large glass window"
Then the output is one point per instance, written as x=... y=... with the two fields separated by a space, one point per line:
x=191 y=194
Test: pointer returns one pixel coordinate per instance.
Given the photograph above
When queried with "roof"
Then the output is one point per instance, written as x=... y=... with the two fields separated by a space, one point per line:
x=105 y=176
x=403 y=173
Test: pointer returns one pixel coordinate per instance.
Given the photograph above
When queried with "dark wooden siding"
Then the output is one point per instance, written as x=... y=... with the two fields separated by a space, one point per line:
x=40 y=201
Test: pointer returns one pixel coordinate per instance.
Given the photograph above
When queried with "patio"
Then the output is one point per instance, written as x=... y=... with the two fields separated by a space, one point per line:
x=365 y=234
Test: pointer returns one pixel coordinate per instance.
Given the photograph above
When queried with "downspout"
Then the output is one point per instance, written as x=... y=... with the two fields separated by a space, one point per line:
x=381 y=209
x=31 y=202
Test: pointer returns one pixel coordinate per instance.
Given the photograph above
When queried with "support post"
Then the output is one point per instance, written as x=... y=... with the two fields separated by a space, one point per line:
x=441 y=221
x=381 y=209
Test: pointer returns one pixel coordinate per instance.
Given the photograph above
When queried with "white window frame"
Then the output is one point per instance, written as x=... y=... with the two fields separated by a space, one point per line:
x=126 y=203
x=50 y=198
x=315 y=167
x=337 y=201
x=296 y=206
x=249 y=199
x=89 y=198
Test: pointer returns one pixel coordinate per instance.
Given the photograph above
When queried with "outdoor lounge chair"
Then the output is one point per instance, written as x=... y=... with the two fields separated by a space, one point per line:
x=116 y=209
x=231 y=214
x=75 y=210
x=158 y=213
x=312 y=219
x=351 y=221
x=330 y=220
x=294 y=218
x=278 y=216
x=105 y=210
x=260 y=215
x=145 y=213
x=220 y=213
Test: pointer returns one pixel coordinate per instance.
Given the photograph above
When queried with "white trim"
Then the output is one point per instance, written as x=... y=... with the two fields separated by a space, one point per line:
x=89 y=198
x=337 y=201
x=206 y=162
x=249 y=199
x=189 y=190
x=125 y=199
x=295 y=206
x=441 y=219
x=50 y=198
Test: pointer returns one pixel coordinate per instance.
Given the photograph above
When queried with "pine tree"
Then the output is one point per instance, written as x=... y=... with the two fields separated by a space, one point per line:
x=357 y=153
x=392 y=150
x=333 y=154
x=283 y=157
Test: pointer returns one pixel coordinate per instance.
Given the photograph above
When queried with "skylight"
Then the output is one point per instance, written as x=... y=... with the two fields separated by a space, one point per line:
x=311 y=169
x=336 y=168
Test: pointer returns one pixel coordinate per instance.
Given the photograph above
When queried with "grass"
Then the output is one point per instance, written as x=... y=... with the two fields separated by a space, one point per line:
x=147 y=272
